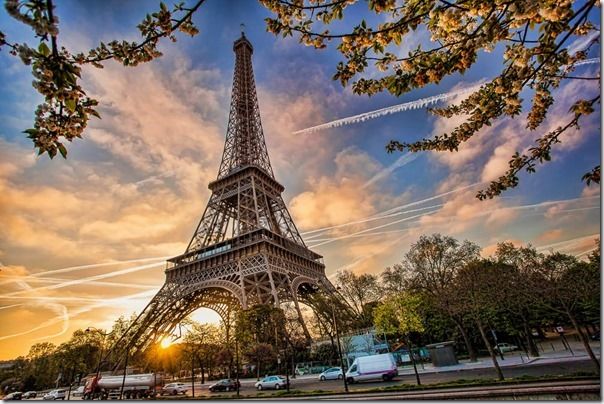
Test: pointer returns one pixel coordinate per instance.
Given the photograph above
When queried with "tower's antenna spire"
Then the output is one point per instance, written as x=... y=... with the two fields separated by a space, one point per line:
x=242 y=26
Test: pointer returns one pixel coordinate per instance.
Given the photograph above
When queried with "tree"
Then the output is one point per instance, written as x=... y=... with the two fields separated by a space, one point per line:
x=398 y=314
x=519 y=286
x=261 y=354
x=224 y=360
x=204 y=341
x=42 y=364
x=393 y=280
x=259 y=328
x=430 y=267
x=569 y=283
x=478 y=288
x=536 y=36
x=360 y=291
x=66 y=109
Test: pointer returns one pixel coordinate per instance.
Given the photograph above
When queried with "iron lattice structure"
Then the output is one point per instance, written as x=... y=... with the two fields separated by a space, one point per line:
x=246 y=249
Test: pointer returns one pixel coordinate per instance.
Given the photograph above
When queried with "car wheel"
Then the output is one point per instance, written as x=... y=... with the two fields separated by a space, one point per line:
x=340 y=377
x=174 y=392
x=259 y=387
x=227 y=389
x=277 y=387
x=350 y=380
x=322 y=378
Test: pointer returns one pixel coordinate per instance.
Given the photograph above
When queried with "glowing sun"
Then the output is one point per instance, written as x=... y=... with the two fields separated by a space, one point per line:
x=166 y=342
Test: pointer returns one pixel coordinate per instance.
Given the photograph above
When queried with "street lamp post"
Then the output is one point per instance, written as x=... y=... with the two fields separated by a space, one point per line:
x=193 y=374
x=335 y=325
x=237 y=364
x=286 y=369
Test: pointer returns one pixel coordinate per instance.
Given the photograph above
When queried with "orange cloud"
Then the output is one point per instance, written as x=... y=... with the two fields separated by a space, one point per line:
x=339 y=198
x=549 y=236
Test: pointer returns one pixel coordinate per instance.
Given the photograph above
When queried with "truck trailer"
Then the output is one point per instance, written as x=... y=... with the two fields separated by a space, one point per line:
x=104 y=387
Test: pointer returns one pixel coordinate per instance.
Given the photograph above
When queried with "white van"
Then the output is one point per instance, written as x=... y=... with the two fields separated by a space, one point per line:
x=382 y=366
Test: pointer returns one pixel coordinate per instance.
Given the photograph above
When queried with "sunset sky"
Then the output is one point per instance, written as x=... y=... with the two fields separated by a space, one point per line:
x=84 y=240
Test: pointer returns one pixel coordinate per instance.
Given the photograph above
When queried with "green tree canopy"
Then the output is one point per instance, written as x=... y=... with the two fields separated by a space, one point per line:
x=399 y=314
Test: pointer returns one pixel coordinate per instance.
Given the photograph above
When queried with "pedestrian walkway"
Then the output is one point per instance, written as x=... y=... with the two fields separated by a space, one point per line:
x=516 y=358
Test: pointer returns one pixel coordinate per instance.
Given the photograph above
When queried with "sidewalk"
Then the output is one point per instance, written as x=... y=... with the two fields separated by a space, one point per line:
x=510 y=359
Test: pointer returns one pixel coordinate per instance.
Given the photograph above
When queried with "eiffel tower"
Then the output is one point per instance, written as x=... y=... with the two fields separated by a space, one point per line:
x=246 y=249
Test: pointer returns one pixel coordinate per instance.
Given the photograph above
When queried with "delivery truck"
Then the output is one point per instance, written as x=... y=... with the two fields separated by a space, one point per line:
x=105 y=387
x=382 y=366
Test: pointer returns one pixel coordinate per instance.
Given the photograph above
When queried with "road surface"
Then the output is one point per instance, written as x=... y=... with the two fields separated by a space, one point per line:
x=310 y=384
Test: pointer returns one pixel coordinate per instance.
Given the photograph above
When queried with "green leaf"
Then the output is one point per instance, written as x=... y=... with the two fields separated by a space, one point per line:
x=70 y=104
x=43 y=49
x=62 y=150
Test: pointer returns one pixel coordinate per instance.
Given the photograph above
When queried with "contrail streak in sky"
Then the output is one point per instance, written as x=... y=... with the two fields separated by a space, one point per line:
x=370 y=229
x=369 y=219
x=417 y=104
x=90 y=278
x=400 y=162
x=450 y=217
x=389 y=212
x=95 y=283
x=70 y=269
x=100 y=303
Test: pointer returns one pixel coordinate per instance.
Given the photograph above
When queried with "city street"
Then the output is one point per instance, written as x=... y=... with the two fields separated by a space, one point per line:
x=564 y=366
x=516 y=364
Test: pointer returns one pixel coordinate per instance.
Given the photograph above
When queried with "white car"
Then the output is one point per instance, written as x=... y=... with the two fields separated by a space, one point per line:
x=271 y=382
x=175 y=388
x=58 y=394
x=331 y=374
x=505 y=347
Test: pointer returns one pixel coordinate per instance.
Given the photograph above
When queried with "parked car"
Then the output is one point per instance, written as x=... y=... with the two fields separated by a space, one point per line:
x=382 y=366
x=331 y=374
x=505 y=347
x=174 y=389
x=224 y=385
x=58 y=394
x=29 y=394
x=271 y=382
x=16 y=395
x=595 y=337
x=78 y=392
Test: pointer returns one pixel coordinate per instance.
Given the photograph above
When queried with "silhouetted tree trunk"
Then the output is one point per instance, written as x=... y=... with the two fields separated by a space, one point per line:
x=532 y=347
x=466 y=340
x=585 y=341
x=490 y=349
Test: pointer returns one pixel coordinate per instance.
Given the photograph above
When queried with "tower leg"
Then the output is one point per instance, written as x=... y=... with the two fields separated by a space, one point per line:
x=242 y=285
x=273 y=289
x=300 y=318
